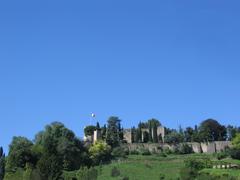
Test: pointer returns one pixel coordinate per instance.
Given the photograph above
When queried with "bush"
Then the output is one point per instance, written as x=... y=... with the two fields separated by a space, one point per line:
x=163 y=154
x=100 y=152
x=145 y=152
x=197 y=164
x=125 y=178
x=193 y=166
x=118 y=152
x=87 y=174
x=221 y=155
x=161 y=176
x=69 y=175
x=134 y=152
x=235 y=153
x=185 y=149
x=115 y=172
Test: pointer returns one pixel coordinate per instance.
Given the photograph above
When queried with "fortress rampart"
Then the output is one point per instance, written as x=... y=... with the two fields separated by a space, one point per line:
x=211 y=147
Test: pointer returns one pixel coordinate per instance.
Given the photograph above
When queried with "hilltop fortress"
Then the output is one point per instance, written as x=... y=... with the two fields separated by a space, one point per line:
x=207 y=147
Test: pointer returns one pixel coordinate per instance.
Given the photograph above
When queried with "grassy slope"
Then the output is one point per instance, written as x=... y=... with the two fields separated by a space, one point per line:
x=147 y=167
x=138 y=167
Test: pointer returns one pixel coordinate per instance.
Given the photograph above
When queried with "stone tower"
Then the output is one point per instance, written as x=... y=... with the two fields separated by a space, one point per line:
x=96 y=135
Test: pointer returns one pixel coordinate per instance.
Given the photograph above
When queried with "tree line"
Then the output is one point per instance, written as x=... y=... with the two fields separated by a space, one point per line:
x=207 y=131
x=56 y=148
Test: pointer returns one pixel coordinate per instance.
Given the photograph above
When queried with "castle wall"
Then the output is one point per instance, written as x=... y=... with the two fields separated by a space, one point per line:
x=210 y=147
x=222 y=145
x=196 y=147
x=127 y=135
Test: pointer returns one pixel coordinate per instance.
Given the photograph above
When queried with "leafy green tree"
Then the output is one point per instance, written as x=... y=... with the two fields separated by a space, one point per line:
x=236 y=141
x=2 y=164
x=30 y=173
x=155 y=136
x=139 y=135
x=145 y=137
x=112 y=136
x=150 y=138
x=88 y=130
x=231 y=132
x=152 y=126
x=50 y=166
x=100 y=152
x=60 y=150
x=174 y=138
x=19 y=153
x=103 y=132
x=211 y=130
x=188 y=134
x=134 y=134
x=87 y=173
x=119 y=152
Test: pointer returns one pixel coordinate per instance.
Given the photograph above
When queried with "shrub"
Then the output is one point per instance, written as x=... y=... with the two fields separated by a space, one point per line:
x=235 y=153
x=118 y=152
x=198 y=164
x=145 y=152
x=161 y=176
x=193 y=166
x=100 y=152
x=69 y=175
x=221 y=155
x=163 y=154
x=125 y=178
x=115 y=172
x=134 y=152
x=87 y=174
x=185 y=149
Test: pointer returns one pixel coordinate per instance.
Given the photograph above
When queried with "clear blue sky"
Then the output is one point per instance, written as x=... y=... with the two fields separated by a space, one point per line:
x=177 y=61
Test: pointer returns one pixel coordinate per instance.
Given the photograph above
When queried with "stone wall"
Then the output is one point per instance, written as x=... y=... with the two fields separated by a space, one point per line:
x=210 y=147
x=222 y=145
x=196 y=147
x=127 y=135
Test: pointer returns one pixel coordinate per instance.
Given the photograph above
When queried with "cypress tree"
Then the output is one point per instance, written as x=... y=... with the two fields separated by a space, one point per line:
x=2 y=164
x=150 y=138
x=104 y=131
x=112 y=136
x=98 y=126
x=154 y=129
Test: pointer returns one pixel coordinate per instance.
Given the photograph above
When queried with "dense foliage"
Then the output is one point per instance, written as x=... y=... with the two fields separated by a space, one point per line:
x=235 y=150
x=100 y=152
x=54 y=149
x=114 y=131
x=88 y=131
x=20 y=153
x=2 y=164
